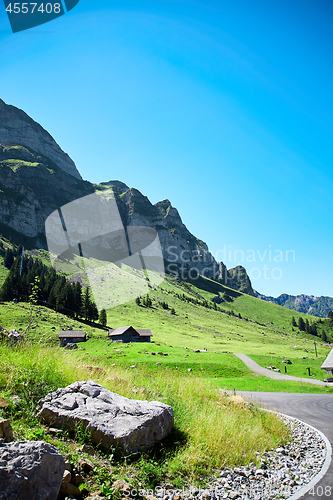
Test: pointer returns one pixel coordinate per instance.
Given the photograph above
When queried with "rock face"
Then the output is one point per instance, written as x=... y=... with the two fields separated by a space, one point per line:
x=186 y=255
x=111 y=419
x=16 y=127
x=30 y=470
x=307 y=304
x=37 y=178
x=31 y=187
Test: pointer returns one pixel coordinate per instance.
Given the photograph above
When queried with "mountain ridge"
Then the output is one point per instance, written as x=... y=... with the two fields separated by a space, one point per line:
x=307 y=304
x=17 y=128
x=37 y=178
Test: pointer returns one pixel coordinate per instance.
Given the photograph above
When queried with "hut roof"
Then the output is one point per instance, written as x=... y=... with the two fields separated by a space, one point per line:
x=328 y=363
x=123 y=329
x=145 y=333
x=67 y=334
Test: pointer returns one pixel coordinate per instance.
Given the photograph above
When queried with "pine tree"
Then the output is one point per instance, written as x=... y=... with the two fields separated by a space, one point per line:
x=86 y=303
x=293 y=322
x=307 y=326
x=93 y=311
x=301 y=324
x=9 y=258
x=313 y=329
x=78 y=298
x=103 y=317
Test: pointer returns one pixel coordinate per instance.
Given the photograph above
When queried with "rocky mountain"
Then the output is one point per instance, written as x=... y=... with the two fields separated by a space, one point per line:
x=37 y=178
x=307 y=304
x=17 y=128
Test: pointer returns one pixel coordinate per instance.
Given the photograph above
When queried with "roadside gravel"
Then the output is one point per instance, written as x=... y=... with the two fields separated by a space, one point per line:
x=281 y=472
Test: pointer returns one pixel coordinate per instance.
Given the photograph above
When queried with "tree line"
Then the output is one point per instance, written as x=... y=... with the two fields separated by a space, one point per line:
x=317 y=328
x=54 y=290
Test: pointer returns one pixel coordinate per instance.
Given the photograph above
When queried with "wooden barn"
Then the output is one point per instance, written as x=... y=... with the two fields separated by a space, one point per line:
x=328 y=364
x=74 y=336
x=130 y=334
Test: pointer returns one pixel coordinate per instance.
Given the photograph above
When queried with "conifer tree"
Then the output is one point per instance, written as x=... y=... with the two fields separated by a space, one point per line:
x=103 y=317
x=301 y=324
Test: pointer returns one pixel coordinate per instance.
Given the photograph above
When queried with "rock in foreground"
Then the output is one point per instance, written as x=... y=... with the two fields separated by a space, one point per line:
x=112 y=420
x=30 y=470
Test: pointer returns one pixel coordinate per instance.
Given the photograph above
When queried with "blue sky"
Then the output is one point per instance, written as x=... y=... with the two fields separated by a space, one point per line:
x=225 y=108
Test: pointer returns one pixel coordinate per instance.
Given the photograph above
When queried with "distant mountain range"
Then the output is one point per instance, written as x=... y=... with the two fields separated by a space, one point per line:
x=307 y=304
x=37 y=177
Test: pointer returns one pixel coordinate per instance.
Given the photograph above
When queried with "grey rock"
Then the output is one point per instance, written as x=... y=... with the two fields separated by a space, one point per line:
x=71 y=346
x=111 y=419
x=30 y=470
x=16 y=127
x=15 y=336
x=6 y=431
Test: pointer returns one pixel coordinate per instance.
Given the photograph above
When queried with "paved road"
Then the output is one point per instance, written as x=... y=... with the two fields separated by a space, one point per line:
x=314 y=409
x=278 y=376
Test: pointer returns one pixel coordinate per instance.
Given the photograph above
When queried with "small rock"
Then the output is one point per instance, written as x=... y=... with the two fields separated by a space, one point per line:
x=168 y=486
x=71 y=346
x=77 y=480
x=68 y=489
x=52 y=430
x=86 y=465
x=121 y=485
x=233 y=495
x=6 y=431
x=89 y=450
x=158 y=364
x=67 y=477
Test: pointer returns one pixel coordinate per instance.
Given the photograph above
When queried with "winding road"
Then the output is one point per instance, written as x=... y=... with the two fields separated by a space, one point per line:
x=275 y=375
x=314 y=409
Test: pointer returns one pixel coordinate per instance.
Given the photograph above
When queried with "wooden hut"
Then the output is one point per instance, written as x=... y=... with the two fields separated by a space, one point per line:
x=328 y=364
x=130 y=334
x=71 y=336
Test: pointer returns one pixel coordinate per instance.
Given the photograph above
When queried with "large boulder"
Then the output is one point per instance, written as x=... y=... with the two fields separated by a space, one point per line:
x=30 y=470
x=111 y=419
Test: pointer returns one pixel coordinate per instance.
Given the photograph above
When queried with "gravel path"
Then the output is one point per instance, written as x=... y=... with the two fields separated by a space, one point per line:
x=282 y=472
x=315 y=410
x=278 y=376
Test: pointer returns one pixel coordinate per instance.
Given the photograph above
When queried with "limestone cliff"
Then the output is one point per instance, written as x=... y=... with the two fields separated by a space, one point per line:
x=17 y=128
x=37 y=178
x=31 y=188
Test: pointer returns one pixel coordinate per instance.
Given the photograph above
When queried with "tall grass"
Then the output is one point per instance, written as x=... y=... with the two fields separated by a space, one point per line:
x=211 y=430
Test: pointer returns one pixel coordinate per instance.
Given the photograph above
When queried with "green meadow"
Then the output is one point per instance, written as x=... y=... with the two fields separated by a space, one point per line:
x=211 y=429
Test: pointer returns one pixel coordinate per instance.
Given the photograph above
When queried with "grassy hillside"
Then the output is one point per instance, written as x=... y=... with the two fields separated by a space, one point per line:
x=212 y=430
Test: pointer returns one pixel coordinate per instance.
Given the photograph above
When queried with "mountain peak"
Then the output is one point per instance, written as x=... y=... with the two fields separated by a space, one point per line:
x=118 y=186
x=17 y=128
